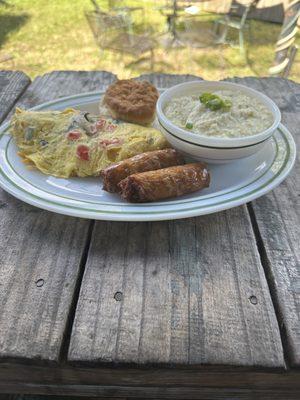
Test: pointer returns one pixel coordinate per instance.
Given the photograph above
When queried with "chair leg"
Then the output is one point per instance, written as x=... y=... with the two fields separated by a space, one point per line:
x=241 y=42
x=190 y=50
x=216 y=28
x=151 y=60
x=120 y=57
x=292 y=56
x=222 y=38
x=250 y=31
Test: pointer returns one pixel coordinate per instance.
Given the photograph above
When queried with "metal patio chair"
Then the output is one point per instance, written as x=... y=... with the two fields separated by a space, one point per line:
x=286 y=50
x=184 y=13
x=111 y=32
x=117 y=7
x=197 y=33
x=233 y=21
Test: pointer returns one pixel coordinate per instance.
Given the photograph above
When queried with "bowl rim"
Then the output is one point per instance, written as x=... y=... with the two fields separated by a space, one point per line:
x=216 y=142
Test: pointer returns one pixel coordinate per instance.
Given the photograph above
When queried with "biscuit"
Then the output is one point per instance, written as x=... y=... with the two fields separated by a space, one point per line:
x=132 y=101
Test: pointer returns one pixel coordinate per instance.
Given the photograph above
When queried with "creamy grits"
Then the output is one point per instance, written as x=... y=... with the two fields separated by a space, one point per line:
x=246 y=116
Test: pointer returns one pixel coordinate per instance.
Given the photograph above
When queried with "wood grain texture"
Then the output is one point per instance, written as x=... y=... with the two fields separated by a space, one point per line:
x=12 y=85
x=51 y=397
x=64 y=83
x=169 y=293
x=40 y=252
x=8 y=397
x=157 y=393
x=185 y=292
x=186 y=295
x=185 y=289
x=278 y=219
x=206 y=376
x=63 y=379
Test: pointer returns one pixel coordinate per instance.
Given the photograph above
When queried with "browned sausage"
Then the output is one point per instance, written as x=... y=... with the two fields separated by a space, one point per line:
x=165 y=183
x=149 y=161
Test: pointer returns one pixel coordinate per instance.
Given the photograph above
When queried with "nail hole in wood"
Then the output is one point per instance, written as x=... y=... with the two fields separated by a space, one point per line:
x=253 y=300
x=118 y=296
x=39 y=282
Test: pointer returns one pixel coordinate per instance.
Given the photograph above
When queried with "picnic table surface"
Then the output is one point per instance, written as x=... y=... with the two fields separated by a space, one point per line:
x=205 y=307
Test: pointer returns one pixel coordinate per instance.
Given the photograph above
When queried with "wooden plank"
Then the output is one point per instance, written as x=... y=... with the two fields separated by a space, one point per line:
x=165 y=382
x=190 y=291
x=186 y=287
x=12 y=85
x=40 y=252
x=51 y=397
x=9 y=397
x=64 y=83
x=278 y=219
x=162 y=382
x=157 y=393
x=210 y=377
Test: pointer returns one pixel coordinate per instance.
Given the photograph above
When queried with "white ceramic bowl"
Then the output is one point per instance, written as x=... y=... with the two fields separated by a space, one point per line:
x=208 y=148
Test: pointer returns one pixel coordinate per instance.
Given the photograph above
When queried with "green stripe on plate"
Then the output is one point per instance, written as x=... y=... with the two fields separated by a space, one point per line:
x=154 y=204
x=198 y=207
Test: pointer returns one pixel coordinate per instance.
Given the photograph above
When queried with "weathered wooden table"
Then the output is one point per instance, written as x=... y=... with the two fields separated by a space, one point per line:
x=203 y=308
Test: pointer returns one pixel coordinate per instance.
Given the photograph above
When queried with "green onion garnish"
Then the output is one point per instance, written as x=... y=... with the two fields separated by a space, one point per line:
x=214 y=102
x=189 y=125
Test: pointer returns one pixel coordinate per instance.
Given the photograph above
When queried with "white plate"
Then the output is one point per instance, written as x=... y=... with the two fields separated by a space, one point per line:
x=231 y=184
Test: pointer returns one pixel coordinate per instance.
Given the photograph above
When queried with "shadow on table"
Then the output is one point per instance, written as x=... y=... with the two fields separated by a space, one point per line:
x=10 y=23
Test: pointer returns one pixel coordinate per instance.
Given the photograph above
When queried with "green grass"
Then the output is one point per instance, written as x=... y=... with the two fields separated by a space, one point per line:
x=38 y=36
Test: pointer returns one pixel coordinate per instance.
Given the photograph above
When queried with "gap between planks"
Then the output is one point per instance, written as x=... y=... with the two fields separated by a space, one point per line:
x=69 y=325
x=272 y=288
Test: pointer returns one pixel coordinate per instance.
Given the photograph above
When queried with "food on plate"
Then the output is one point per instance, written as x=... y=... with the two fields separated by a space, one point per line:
x=132 y=101
x=149 y=161
x=76 y=143
x=165 y=183
x=223 y=113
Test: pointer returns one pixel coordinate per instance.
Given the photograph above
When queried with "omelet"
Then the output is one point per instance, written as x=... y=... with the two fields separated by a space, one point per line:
x=75 y=143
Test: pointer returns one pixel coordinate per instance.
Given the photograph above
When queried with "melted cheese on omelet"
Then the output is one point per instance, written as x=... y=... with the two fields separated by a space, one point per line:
x=74 y=143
